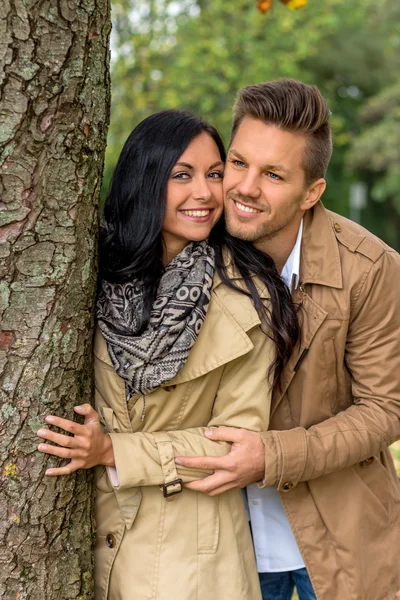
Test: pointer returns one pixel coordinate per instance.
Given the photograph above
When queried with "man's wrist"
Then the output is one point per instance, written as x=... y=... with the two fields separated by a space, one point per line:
x=270 y=476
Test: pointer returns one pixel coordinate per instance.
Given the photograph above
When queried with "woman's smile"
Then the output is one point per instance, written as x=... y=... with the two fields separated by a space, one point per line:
x=198 y=215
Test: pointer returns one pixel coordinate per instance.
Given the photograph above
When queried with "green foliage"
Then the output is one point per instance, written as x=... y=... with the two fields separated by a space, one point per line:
x=197 y=54
x=377 y=148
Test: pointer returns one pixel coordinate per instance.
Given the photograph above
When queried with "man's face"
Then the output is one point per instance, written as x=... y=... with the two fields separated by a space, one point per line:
x=264 y=182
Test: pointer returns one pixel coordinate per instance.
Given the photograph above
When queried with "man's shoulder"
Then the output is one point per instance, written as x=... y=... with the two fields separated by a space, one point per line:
x=356 y=239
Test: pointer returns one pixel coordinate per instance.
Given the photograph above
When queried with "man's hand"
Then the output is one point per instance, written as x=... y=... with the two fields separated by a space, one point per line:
x=87 y=447
x=242 y=466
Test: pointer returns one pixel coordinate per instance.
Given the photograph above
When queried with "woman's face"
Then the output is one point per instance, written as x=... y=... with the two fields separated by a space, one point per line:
x=194 y=195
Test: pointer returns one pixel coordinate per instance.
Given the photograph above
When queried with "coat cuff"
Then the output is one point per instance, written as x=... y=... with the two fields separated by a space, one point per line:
x=172 y=484
x=153 y=462
x=285 y=458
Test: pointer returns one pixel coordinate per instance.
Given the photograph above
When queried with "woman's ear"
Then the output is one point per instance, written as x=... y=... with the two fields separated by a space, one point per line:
x=313 y=194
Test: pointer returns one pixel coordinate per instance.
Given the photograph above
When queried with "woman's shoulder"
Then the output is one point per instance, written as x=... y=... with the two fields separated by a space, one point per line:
x=237 y=301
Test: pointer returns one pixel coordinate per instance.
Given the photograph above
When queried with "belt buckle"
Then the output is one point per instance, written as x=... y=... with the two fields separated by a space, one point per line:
x=165 y=487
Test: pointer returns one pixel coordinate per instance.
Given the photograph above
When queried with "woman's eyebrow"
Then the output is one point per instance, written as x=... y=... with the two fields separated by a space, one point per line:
x=216 y=164
x=188 y=166
x=183 y=164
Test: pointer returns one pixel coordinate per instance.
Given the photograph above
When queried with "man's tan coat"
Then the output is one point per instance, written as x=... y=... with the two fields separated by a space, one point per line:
x=187 y=546
x=338 y=410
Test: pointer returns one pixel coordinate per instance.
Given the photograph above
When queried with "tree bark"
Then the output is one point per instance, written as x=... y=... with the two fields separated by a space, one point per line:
x=54 y=111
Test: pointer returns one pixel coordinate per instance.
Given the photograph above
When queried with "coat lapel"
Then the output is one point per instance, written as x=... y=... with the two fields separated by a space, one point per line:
x=311 y=317
x=223 y=337
x=320 y=265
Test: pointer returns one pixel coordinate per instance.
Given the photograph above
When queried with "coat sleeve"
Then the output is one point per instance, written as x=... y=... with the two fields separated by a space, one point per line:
x=243 y=400
x=372 y=423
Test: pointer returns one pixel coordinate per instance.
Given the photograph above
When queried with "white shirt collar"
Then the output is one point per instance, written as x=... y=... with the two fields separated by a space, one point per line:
x=291 y=271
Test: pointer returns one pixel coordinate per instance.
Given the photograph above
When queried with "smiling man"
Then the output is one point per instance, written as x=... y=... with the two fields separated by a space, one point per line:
x=323 y=495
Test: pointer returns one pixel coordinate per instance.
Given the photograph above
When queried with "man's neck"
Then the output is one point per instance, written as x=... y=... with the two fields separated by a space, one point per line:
x=281 y=245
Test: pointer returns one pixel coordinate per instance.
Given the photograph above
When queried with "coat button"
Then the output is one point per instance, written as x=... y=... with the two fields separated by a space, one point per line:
x=287 y=486
x=302 y=288
x=169 y=388
x=110 y=540
x=337 y=228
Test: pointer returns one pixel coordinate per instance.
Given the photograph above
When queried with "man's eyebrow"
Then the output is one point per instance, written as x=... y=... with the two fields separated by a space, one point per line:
x=236 y=153
x=274 y=168
x=267 y=167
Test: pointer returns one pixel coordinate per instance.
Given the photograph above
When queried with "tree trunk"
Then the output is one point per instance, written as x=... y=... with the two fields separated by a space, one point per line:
x=54 y=108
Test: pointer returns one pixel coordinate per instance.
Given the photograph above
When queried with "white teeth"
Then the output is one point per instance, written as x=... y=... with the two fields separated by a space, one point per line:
x=244 y=208
x=196 y=213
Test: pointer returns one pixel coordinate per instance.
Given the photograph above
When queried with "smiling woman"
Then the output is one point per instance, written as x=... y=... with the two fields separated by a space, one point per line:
x=176 y=350
x=194 y=195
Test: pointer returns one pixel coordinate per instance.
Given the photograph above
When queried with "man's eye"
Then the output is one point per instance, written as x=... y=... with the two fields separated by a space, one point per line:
x=216 y=175
x=273 y=176
x=238 y=163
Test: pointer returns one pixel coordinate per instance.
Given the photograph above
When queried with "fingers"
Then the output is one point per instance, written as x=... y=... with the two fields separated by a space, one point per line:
x=67 y=470
x=208 y=463
x=62 y=440
x=213 y=485
x=65 y=424
x=88 y=412
x=225 y=434
x=206 y=485
x=56 y=451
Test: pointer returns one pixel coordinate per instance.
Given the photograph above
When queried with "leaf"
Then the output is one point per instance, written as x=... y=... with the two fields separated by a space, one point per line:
x=264 y=5
x=294 y=4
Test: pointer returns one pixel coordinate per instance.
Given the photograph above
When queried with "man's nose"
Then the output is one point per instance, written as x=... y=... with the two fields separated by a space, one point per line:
x=249 y=186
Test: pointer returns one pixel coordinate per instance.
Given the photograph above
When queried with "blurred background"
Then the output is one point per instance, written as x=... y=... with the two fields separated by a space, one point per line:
x=196 y=54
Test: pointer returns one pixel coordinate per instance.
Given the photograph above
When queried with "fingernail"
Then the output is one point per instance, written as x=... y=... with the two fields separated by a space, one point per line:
x=178 y=461
x=41 y=432
x=208 y=433
x=42 y=447
x=49 y=419
x=49 y=472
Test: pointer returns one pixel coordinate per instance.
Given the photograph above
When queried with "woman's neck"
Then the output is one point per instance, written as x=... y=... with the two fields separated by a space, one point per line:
x=172 y=249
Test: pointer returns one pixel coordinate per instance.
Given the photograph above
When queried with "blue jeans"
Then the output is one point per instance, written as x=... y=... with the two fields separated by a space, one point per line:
x=280 y=586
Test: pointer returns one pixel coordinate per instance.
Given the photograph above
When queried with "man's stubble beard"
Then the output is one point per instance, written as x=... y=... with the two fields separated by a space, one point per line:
x=265 y=231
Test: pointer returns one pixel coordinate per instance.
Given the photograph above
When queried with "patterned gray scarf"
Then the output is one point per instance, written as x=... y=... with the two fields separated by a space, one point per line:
x=156 y=355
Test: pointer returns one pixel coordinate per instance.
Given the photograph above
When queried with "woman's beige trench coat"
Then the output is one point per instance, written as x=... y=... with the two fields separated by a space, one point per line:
x=187 y=545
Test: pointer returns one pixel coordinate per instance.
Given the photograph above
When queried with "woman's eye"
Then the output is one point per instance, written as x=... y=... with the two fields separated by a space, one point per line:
x=216 y=175
x=181 y=176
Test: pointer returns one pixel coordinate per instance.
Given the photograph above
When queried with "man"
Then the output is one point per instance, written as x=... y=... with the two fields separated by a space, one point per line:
x=325 y=515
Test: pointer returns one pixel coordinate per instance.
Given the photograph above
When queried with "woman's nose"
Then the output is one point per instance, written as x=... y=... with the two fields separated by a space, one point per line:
x=202 y=191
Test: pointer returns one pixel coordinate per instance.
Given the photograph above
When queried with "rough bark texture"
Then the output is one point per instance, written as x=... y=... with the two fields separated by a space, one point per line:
x=54 y=95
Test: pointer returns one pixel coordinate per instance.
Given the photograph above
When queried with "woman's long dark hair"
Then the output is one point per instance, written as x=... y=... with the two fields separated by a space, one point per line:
x=131 y=244
x=279 y=315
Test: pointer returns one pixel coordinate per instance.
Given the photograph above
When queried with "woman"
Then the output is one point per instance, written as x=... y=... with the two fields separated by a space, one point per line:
x=178 y=348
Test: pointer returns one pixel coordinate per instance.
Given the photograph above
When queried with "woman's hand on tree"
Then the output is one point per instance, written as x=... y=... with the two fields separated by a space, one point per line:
x=87 y=447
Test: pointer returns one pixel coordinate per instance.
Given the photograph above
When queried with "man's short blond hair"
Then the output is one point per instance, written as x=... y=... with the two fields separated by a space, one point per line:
x=293 y=106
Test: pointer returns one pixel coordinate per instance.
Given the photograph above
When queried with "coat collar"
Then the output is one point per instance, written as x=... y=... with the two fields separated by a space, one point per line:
x=223 y=336
x=320 y=259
